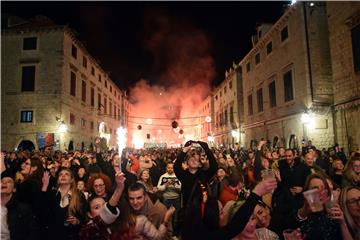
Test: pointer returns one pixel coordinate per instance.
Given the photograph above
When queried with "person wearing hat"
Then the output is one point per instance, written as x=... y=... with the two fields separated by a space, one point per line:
x=17 y=222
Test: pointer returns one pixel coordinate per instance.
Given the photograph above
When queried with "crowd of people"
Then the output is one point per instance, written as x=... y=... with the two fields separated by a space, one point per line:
x=192 y=192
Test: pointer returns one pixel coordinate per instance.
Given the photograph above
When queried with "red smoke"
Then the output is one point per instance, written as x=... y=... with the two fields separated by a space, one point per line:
x=185 y=71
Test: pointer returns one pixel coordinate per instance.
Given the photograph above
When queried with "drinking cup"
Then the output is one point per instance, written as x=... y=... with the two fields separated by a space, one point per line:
x=312 y=196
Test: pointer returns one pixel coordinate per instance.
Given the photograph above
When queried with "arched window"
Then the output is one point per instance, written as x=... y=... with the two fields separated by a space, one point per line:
x=275 y=142
x=293 y=142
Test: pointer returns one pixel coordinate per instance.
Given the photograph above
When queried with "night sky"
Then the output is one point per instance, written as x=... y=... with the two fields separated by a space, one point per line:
x=132 y=39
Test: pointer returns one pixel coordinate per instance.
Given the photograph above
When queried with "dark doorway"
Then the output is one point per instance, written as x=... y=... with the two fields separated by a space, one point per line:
x=26 y=145
x=71 y=146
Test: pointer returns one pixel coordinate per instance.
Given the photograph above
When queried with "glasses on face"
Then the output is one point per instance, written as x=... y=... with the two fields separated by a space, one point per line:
x=99 y=186
x=353 y=202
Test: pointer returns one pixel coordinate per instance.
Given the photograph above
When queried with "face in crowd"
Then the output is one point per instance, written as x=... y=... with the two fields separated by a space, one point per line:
x=356 y=166
x=221 y=173
x=194 y=161
x=145 y=175
x=99 y=187
x=81 y=185
x=289 y=156
x=137 y=199
x=26 y=167
x=282 y=152
x=81 y=172
x=65 y=177
x=7 y=186
x=95 y=206
x=309 y=159
x=66 y=163
x=116 y=160
x=353 y=202
x=170 y=168
x=263 y=216
x=338 y=164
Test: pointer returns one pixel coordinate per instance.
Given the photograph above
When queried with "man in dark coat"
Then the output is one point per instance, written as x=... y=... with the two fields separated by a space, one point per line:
x=17 y=220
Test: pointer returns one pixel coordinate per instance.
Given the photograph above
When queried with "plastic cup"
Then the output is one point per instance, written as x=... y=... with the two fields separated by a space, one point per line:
x=264 y=234
x=289 y=234
x=334 y=199
x=267 y=174
x=312 y=196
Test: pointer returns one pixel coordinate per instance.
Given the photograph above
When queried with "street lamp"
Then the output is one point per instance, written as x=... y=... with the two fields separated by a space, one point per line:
x=62 y=127
x=307 y=121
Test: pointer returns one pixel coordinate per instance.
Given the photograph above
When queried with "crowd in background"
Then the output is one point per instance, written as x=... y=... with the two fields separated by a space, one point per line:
x=192 y=192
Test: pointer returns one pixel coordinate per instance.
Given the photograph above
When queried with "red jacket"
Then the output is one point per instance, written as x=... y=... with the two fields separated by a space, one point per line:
x=228 y=194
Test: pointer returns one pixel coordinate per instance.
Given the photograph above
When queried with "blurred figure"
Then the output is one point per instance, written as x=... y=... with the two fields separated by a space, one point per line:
x=352 y=172
x=350 y=204
x=17 y=221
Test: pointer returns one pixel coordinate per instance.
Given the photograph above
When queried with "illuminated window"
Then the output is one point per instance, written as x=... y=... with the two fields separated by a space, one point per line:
x=26 y=116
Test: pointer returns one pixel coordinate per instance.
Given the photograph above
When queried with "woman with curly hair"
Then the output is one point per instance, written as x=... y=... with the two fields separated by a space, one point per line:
x=100 y=185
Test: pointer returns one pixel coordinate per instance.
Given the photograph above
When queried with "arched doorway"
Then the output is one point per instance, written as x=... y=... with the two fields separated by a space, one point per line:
x=26 y=145
x=71 y=146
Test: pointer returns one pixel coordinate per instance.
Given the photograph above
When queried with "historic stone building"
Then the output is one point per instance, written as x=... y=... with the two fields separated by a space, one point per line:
x=228 y=108
x=49 y=80
x=344 y=35
x=287 y=80
x=205 y=122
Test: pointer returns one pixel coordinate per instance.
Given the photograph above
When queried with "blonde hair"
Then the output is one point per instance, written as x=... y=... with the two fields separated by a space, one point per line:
x=75 y=205
x=349 y=219
x=349 y=173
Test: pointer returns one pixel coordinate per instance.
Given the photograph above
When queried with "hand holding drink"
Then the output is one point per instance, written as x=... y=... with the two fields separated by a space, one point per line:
x=312 y=197
x=267 y=173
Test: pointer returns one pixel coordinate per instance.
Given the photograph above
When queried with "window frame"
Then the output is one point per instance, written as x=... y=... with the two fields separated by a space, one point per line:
x=74 y=51
x=286 y=100
x=282 y=37
x=25 y=88
x=22 y=120
x=260 y=100
x=30 y=49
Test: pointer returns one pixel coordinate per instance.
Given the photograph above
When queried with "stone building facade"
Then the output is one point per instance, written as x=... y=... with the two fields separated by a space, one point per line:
x=205 y=123
x=344 y=35
x=48 y=78
x=287 y=81
x=228 y=108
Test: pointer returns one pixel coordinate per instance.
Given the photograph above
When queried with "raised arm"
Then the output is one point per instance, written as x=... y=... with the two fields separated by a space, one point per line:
x=211 y=171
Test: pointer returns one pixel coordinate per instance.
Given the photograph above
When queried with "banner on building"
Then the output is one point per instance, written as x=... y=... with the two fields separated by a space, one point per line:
x=45 y=140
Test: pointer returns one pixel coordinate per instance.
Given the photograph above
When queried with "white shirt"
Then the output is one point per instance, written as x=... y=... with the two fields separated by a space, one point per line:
x=5 y=233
